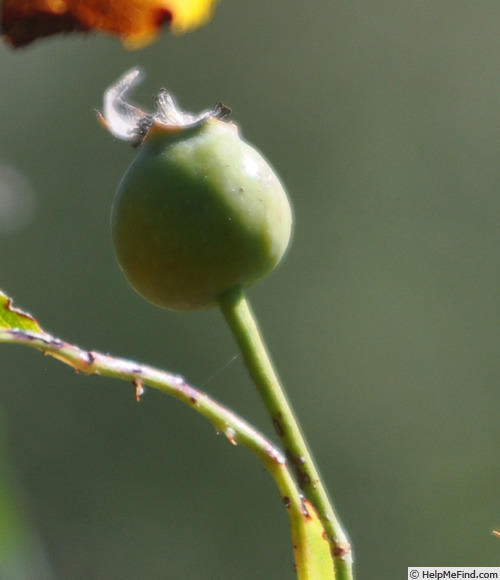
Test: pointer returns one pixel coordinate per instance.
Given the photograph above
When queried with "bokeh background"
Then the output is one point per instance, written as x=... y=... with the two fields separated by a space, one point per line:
x=383 y=118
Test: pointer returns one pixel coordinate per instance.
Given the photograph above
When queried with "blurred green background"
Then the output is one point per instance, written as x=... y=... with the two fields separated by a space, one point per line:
x=384 y=320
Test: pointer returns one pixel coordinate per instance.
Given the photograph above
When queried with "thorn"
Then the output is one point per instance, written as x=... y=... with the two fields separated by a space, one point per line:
x=231 y=436
x=139 y=390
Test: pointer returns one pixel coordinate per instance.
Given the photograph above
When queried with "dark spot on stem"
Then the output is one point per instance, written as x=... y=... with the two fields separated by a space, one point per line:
x=287 y=501
x=298 y=464
x=305 y=511
x=304 y=477
x=278 y=427
x=340 y=551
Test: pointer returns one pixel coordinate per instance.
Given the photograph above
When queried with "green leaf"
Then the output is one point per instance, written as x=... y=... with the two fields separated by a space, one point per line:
x=313 y=558
x=13 y=318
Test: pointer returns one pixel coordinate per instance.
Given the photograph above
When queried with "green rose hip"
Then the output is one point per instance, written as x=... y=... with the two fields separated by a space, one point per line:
x=199 y=211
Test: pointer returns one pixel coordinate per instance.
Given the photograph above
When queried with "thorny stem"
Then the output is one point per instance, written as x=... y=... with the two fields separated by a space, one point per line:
x=237 y=430
x=244 y=327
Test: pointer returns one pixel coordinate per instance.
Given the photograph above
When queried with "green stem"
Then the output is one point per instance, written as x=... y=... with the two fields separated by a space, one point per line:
x=244 y=327
x=236 y=429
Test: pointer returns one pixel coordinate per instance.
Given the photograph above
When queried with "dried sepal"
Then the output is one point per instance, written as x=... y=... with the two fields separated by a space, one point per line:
x=128 y=122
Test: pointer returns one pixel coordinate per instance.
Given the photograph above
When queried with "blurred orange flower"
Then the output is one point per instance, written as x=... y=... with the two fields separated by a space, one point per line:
x=136 y=22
